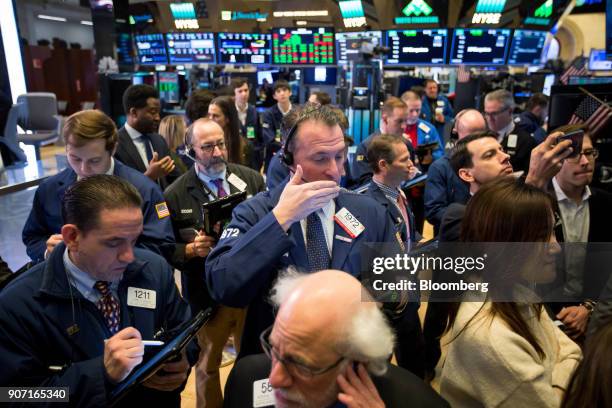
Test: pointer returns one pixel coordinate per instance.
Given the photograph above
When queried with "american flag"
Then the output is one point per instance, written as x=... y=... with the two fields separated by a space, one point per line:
x=577 y=68
x=463 y=74
x=595 y=114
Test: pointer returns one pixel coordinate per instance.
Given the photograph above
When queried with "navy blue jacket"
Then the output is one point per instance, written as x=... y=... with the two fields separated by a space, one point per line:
x=44 y=321
x=251 y=132
x=442 y=188
x=253 y=248
x=361 y=172
x=429 y=116
x=271 y=120
x=529 y=122
x=46 y=219
x=277 y=172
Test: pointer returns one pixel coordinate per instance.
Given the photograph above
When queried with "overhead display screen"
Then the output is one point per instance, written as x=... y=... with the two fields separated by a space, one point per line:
x=151 y=49
x=244 y=48
x=303 y=46
x=527 y=46
x=417 y=47
x=480 y=46
x=350 y=46
x=187 y=48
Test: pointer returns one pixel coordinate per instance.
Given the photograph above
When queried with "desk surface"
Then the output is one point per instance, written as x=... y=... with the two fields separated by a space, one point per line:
x=17 y=178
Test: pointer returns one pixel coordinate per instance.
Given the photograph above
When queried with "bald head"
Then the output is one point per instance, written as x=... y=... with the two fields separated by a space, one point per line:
x=468 y=122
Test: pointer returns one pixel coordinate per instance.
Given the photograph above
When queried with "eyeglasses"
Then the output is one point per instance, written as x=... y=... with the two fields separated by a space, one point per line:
x=494 y=114
x=294 y=368
x=590 y=154
x=209 y=148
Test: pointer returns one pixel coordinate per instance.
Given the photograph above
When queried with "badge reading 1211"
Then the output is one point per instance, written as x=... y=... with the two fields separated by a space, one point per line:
x=139 y=297
x=349 y=222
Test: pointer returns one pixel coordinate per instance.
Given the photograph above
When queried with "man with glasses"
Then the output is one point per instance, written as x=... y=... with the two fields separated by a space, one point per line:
x=498 y=108
x=584 y=215
x=328 y=347
x=210 y=178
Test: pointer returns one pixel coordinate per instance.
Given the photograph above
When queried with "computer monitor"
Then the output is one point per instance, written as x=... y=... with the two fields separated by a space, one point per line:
x=244 y=48
x=151 y=49
x=417 y=47
x=269 y=75
x=527 y=46
x=191 y=48
x=350 y=46
x=303 y=46
x=598 y=60
x=480 y=46
x=320 y=76
x=168 y=86
x=549 y=81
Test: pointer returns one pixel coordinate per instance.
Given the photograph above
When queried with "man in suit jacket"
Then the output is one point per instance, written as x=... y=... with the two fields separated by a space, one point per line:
x=584 y=215
x=390 y=161
x=302 y=222
x=207 y=180
x=518 y=143
x=91 y=139
x=317 y=353
x=250 y=126
x=140 y=146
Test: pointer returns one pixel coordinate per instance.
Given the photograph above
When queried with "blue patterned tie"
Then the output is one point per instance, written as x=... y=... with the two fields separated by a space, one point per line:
x=109 y=306
x=316 y=246
x=147 y=145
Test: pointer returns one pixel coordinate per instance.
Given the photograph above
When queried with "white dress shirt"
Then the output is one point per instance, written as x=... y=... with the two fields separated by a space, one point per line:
x=139 y=142
x=207 y=180
x=326 y=214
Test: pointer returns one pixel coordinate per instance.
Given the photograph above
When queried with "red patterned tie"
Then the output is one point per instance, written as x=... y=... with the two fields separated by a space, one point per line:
x=109 y=306
x=401 y=202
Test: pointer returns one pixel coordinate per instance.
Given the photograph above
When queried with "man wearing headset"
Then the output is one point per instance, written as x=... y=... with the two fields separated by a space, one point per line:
x=443 y=186
x=308 y=222
x=210 y=178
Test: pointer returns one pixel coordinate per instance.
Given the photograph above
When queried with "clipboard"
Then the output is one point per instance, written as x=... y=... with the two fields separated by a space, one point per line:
x=220 y=210
x=172 y=349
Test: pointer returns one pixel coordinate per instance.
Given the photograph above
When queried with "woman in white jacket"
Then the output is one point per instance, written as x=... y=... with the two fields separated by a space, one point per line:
x=506 y=354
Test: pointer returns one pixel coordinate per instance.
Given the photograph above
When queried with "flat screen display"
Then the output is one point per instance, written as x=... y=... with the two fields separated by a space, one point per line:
x=303 y=46
x=417 y=47
x=598 y=61
x=320 y=76
x=168 y=85
x=480 y=46
x=244 y=48
x=527 y=46
x=150 y=49
x=191 y=48
x=349 y=46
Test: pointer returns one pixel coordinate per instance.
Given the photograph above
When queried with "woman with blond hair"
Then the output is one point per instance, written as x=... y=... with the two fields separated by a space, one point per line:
x=173 y=129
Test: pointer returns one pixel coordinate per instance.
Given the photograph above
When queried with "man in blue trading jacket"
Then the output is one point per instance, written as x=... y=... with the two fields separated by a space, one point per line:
x=78 y=319
x=536 y=111
x=302 y=222
x=91 y=140
x=390 y=161
x=419 y=131
x=271 y=120
x=436 y=107
x=250 y=127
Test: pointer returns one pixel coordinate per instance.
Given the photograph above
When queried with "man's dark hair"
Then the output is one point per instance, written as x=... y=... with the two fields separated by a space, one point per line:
x=381 y=148
x=135 y=96
x=238 y=82
x=197 y=104
x=88 y=197
x=537 y=99
x=460 y=157
x=281 y=84
x=323 y=98
x=428 y=81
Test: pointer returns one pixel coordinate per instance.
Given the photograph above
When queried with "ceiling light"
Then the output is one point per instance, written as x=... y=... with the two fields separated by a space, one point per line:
x=309 y=13
x=85 y=22
x=46 y=17
x=301 y=22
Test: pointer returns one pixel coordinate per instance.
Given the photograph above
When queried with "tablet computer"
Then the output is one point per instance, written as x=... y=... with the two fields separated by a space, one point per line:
x=172 y=349
x=220 y=210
